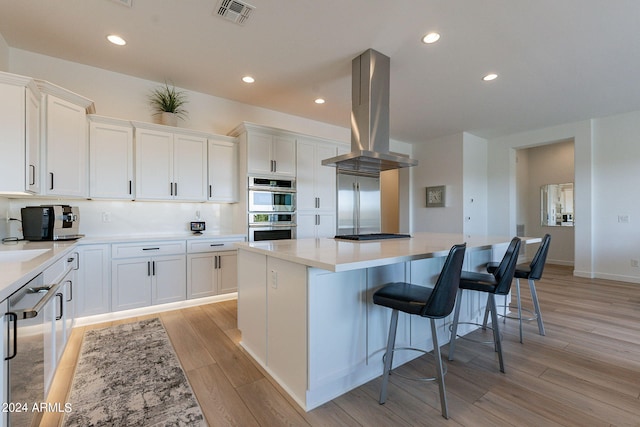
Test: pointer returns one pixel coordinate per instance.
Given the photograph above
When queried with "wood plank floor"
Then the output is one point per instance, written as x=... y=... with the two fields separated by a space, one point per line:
x=584 y=372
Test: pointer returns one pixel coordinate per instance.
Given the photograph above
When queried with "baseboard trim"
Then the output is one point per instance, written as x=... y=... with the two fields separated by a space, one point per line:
x=124 y=314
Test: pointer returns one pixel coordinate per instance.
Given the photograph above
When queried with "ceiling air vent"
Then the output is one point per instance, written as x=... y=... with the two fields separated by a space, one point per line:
x=235 y=11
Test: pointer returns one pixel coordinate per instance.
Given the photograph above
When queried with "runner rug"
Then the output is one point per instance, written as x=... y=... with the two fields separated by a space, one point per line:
x=129 y=375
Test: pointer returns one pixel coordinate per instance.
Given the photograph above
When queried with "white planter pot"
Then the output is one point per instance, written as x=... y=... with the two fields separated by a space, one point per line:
x=169 y=119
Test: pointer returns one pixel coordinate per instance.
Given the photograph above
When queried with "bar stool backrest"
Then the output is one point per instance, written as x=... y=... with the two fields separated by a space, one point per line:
x=539 y=259
x=443 y=297
x=505 y=271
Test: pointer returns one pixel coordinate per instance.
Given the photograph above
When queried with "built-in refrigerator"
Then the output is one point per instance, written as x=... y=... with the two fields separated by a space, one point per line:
x=358 y=203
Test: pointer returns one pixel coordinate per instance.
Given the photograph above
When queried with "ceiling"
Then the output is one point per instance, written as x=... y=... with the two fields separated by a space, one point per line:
x=557 y=61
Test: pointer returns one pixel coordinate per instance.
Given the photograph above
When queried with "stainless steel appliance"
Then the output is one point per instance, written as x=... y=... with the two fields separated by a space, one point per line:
x=358 y=203
x=370 y=118
x=272 y=207
x=271 y=184
x=50 y=222
x=271 y=226
x=25 y=358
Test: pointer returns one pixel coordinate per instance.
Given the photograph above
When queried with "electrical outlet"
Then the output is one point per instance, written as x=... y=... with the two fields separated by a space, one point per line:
x=635 y=263
x=274 y=279
x=623 y=219
x=106 y=216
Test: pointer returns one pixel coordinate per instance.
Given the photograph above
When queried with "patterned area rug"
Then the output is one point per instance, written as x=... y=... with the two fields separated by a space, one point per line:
x=129 y=375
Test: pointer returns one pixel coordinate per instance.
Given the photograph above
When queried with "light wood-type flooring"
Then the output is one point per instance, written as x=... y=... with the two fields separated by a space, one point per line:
x=584 y=372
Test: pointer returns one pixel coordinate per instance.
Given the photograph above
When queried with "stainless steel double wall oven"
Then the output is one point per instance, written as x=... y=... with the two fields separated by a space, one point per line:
x=272 y=208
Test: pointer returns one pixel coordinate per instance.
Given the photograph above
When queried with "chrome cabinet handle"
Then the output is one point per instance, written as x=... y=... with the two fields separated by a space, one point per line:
x=14 y=318
x=61 y=306
x=32 y=169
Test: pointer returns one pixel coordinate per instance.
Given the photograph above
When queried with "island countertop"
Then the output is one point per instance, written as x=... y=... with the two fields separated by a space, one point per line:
x=343 y=255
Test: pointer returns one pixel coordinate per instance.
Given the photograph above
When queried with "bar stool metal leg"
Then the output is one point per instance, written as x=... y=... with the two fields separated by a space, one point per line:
x=393 y=326
x=454 y=326
x=536 y=306
x=439 y=370
x=496 y=330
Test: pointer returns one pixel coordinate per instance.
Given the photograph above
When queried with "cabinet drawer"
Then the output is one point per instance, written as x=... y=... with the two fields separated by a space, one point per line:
x=59 y=269
x=130 y=250
x=212 y=245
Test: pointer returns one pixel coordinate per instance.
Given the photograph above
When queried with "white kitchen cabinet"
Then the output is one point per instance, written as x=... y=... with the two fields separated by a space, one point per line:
x=65 y=140
x=170 y=165
x=271 y=154
x=316 y=189
x=110 y=158
x=19 y=135
x=144 y=274
x=315 y=225
x=316 y=183
x=211 y=274
x=93 y=292
x=212 y=267
x=59 y=312
x=223 y=170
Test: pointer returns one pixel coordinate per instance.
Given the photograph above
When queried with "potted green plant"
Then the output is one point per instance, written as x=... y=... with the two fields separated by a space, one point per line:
x=168 y=103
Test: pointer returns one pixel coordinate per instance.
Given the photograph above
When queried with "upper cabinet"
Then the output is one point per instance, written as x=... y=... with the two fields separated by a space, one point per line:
x=316 y=183
x=223 y=170
x=19 y=135
x=170 y=163
x=110 y=158
x=269 y=152
x=65 y=140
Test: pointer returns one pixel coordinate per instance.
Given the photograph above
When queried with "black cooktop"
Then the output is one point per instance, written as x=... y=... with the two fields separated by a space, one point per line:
x=373 y=236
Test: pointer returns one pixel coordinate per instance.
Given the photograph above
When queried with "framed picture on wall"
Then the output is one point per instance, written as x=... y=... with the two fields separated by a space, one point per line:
x=436 y=196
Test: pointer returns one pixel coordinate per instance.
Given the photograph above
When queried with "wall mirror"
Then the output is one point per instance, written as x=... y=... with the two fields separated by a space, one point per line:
x=556 y=202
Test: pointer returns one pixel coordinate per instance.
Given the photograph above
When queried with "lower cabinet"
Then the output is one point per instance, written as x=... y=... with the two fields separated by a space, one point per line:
x=140 y=282
x=211 y=267
x=93 y=295
x=144 y=274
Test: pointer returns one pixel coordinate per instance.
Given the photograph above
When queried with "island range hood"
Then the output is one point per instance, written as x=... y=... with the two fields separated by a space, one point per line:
x=370 y=119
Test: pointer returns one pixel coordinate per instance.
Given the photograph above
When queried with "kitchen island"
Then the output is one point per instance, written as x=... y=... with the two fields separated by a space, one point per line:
x=306 y=314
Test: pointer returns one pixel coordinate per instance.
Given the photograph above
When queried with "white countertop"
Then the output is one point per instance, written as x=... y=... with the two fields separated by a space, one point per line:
x=22 y=261
x=89 y=240
x=342 y=255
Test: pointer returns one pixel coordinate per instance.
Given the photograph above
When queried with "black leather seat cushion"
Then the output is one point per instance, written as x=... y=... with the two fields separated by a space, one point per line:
x=403 y=296
x=522 y=270
x=474 y=281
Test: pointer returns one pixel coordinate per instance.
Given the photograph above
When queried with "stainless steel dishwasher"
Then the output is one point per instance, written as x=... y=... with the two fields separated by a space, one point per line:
x=25 y=354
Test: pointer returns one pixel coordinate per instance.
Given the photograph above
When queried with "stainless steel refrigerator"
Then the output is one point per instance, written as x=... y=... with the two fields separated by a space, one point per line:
x=358 y=203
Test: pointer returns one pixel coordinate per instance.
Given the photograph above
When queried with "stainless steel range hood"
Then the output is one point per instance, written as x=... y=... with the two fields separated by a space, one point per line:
x=370 y=119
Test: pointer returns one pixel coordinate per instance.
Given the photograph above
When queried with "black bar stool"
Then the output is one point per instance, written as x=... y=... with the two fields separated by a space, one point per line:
x=434 y=303
x=496 y=283
x=531 y=272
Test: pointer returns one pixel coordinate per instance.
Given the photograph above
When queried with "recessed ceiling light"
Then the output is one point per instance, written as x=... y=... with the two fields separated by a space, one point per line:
x=431 y=38
x=319 y=101
x=248 y=79
x=489 y=77
x=117 y=40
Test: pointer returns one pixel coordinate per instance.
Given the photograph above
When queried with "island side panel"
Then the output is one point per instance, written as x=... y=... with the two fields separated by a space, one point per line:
x=252 y=303
x=287 y=326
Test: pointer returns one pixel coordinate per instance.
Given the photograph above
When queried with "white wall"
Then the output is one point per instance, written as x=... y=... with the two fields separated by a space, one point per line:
x=502 y=189
x=475 y=191
x=122 y=96
x=616 y=174
x=4 y=209
x=548 y=164
x=440 y=163
x=4 y=54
